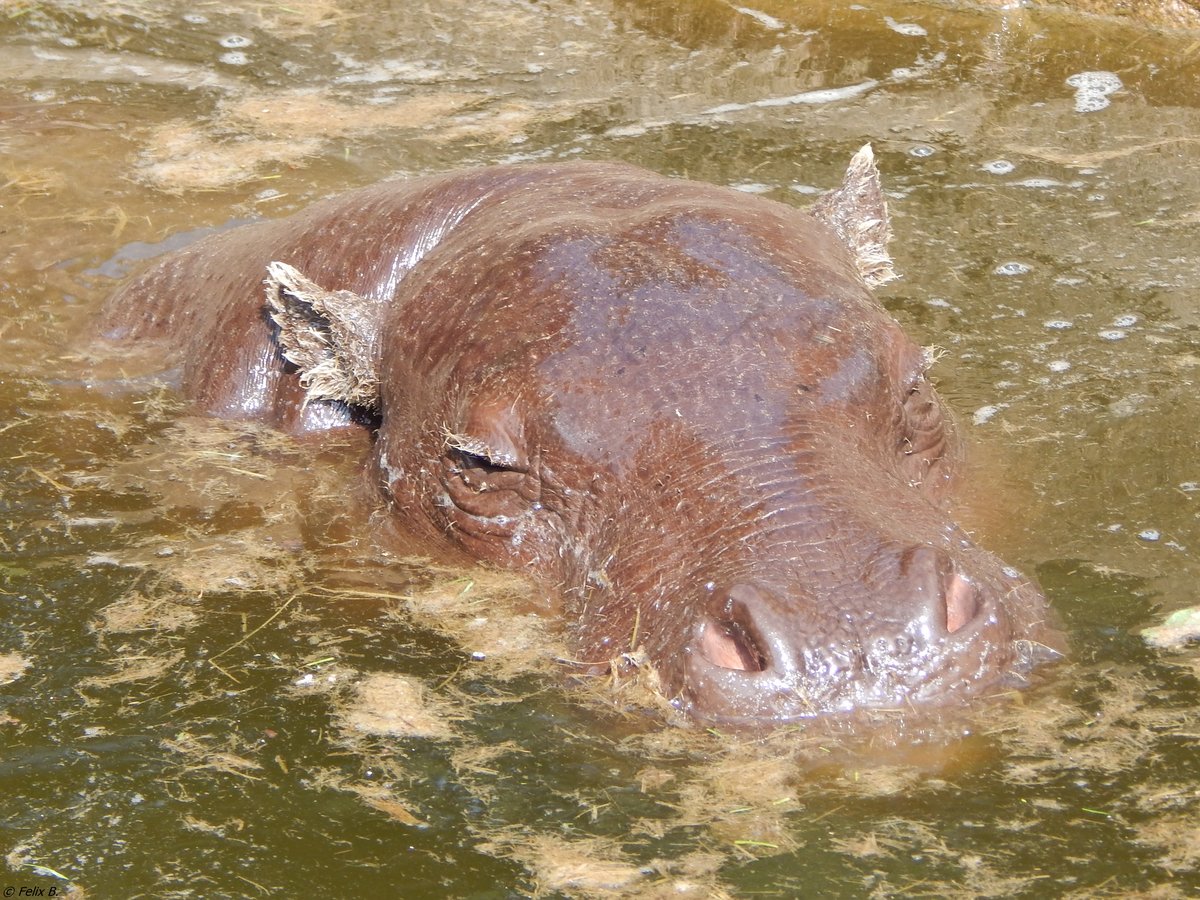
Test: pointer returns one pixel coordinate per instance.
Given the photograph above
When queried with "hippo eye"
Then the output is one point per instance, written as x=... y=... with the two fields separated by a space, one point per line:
x=922 y=435
x=474 y=453
x=487 y=488
x=921 y=403
x=480 y=467
x=474 y=466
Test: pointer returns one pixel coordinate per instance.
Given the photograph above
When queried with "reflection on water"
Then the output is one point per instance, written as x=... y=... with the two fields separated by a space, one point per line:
x=213 y=683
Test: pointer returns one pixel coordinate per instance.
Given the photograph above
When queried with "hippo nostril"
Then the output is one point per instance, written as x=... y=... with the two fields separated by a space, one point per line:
x=962 y=601
x=726 y=644
x=947 y=592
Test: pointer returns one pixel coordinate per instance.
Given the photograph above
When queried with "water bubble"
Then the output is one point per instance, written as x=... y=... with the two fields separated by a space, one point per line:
x=626 y=131
x=1012 y=268
x=1113 y=334
x=1086 y=103
x=1058 y=324
x=984 y=414
x=1190 y=486
x=1092 y=89
x=1125 y=407
x=234 y=58
x=195 y=18
x=235 y=42
x=1059 y=365
x=1040 y=184
x=762 y=18
x=908 y=29
x=753 y=187
x=998 y=167
x=921 y=151
x=1104 y=82
x=1149 y=534
x=1010 y=571
x=1125 y=321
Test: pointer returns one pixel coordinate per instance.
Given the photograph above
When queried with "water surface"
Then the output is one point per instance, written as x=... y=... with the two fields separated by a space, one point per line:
x=198 y=631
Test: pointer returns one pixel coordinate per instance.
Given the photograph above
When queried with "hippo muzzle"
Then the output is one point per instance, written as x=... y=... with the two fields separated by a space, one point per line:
x=755 y=656
x=679 y=407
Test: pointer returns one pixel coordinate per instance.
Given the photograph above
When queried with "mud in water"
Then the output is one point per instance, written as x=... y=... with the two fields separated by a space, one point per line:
x=217 y=681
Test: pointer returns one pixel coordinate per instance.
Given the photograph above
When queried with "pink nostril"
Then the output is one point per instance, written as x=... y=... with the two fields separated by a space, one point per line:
x=933 y=574
x=962 y=602
x=726 y=645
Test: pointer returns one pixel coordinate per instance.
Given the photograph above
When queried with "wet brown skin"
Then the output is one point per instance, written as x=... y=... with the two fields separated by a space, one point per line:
x=677 y=406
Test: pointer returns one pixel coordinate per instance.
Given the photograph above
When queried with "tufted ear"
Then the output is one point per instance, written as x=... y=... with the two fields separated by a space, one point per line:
x=328 y=335
x=857 y=212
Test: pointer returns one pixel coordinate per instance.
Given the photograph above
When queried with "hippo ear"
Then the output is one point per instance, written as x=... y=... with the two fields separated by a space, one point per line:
x=328 y=335
x=857 y=212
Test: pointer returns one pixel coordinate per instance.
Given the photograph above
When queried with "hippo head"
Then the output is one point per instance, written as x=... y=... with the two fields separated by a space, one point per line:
x=683 y=409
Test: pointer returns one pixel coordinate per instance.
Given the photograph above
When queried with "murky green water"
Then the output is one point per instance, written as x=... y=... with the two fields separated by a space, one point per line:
x=195 y=629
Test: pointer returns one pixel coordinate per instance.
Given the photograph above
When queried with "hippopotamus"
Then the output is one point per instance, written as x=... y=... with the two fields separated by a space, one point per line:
x=678 y=407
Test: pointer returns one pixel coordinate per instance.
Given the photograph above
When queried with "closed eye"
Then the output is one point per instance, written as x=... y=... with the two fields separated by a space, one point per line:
x=922 y=436
x=481 y=463
x=474 y=453
x=485 y=487
x=919 y=402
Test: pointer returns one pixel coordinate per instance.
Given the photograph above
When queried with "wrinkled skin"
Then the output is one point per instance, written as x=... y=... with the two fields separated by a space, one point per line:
x=678 y=406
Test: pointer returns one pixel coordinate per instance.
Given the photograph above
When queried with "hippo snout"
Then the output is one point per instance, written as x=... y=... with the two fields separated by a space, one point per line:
x=920 y=627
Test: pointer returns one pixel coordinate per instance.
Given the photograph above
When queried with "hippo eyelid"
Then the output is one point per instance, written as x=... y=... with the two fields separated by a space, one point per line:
x=915 y=380
x=919 y=387
x=484 y=458
x=482 y=452
x=914 y=368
